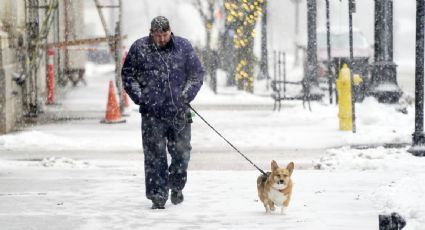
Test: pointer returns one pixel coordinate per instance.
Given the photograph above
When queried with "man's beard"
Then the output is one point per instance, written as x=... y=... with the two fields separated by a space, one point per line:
x=162 y=45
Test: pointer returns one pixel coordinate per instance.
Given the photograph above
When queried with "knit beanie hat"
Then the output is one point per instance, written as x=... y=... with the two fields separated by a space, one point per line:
x=160 y=24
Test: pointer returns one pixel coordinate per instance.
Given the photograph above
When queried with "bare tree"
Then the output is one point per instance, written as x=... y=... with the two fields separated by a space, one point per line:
x=209 y=57
x=206 y=9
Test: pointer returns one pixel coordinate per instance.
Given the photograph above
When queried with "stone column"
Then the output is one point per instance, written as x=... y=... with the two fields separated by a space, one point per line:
x=10 y=92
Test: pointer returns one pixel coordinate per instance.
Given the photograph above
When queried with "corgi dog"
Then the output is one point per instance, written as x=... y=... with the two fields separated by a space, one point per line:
x=276 y=187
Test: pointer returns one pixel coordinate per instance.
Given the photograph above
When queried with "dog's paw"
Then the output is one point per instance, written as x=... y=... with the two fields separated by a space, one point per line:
x=268 y=209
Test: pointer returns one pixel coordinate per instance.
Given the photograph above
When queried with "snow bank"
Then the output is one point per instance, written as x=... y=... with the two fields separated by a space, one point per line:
x=380 y=158
x=403 y=193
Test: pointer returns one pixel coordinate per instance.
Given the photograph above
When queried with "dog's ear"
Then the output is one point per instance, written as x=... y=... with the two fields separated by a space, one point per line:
x=274 y=165
x=290 y=168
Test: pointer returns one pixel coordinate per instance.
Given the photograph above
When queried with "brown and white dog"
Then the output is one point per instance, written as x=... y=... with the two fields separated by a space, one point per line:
x=276 y=188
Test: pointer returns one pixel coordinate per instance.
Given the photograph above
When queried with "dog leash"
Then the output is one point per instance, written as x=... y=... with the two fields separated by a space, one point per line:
x=228 y=142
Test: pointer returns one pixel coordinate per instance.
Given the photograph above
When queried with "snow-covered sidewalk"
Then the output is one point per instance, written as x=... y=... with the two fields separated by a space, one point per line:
x=81 y=174
x=62 y=193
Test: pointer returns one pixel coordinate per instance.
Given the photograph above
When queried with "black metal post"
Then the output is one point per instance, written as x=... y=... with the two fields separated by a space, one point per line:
x=384 y=75
x=279 y=70
x=264 y=65
x=274 y=65
x=328 y=42
x=279 y=79
x=284 y=73
x=351 y=9
x=312 y=89
x=418 y=144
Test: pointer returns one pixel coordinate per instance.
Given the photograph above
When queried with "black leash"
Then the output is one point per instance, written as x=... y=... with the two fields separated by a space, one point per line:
x=227 y=141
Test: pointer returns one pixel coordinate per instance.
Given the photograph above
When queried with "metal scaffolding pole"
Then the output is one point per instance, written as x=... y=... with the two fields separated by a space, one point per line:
x=114 y=45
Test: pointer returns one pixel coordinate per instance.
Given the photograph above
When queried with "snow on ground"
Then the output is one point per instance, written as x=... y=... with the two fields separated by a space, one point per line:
x=404 y=192
x=111 y=196
x=257 y=127
x=81 y=174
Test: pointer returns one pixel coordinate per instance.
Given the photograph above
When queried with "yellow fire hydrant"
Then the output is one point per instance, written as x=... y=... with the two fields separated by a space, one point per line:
x=343 y=86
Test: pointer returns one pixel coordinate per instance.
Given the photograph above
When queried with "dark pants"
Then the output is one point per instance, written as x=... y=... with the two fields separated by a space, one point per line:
x=159 y=136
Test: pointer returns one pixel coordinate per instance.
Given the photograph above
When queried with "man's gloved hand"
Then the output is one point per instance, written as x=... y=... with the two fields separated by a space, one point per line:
x=184 y=99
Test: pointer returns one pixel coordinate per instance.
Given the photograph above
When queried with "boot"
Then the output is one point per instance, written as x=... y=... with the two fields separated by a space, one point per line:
x=176 y=196
x=158 y=203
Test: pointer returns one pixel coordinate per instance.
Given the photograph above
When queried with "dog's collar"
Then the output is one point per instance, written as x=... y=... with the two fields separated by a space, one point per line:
x=279 y=190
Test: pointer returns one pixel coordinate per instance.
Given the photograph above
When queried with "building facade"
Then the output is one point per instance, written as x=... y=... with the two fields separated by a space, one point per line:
x=26 y=29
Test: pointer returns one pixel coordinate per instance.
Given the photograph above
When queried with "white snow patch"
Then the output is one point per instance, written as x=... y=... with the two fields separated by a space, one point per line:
x=61 y=162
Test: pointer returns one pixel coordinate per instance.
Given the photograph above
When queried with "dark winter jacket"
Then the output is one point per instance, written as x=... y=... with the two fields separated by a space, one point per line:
x=162 y=81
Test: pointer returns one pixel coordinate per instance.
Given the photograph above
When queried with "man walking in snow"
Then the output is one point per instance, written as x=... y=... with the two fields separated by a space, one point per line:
x=162 y=74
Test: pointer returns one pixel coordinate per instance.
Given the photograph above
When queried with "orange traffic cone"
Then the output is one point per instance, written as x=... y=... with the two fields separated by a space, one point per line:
x=125 y=96
x=113 y=114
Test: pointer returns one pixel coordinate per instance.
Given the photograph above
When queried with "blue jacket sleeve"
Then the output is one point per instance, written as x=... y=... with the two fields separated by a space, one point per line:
x=195 y=75
x=129 y=74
